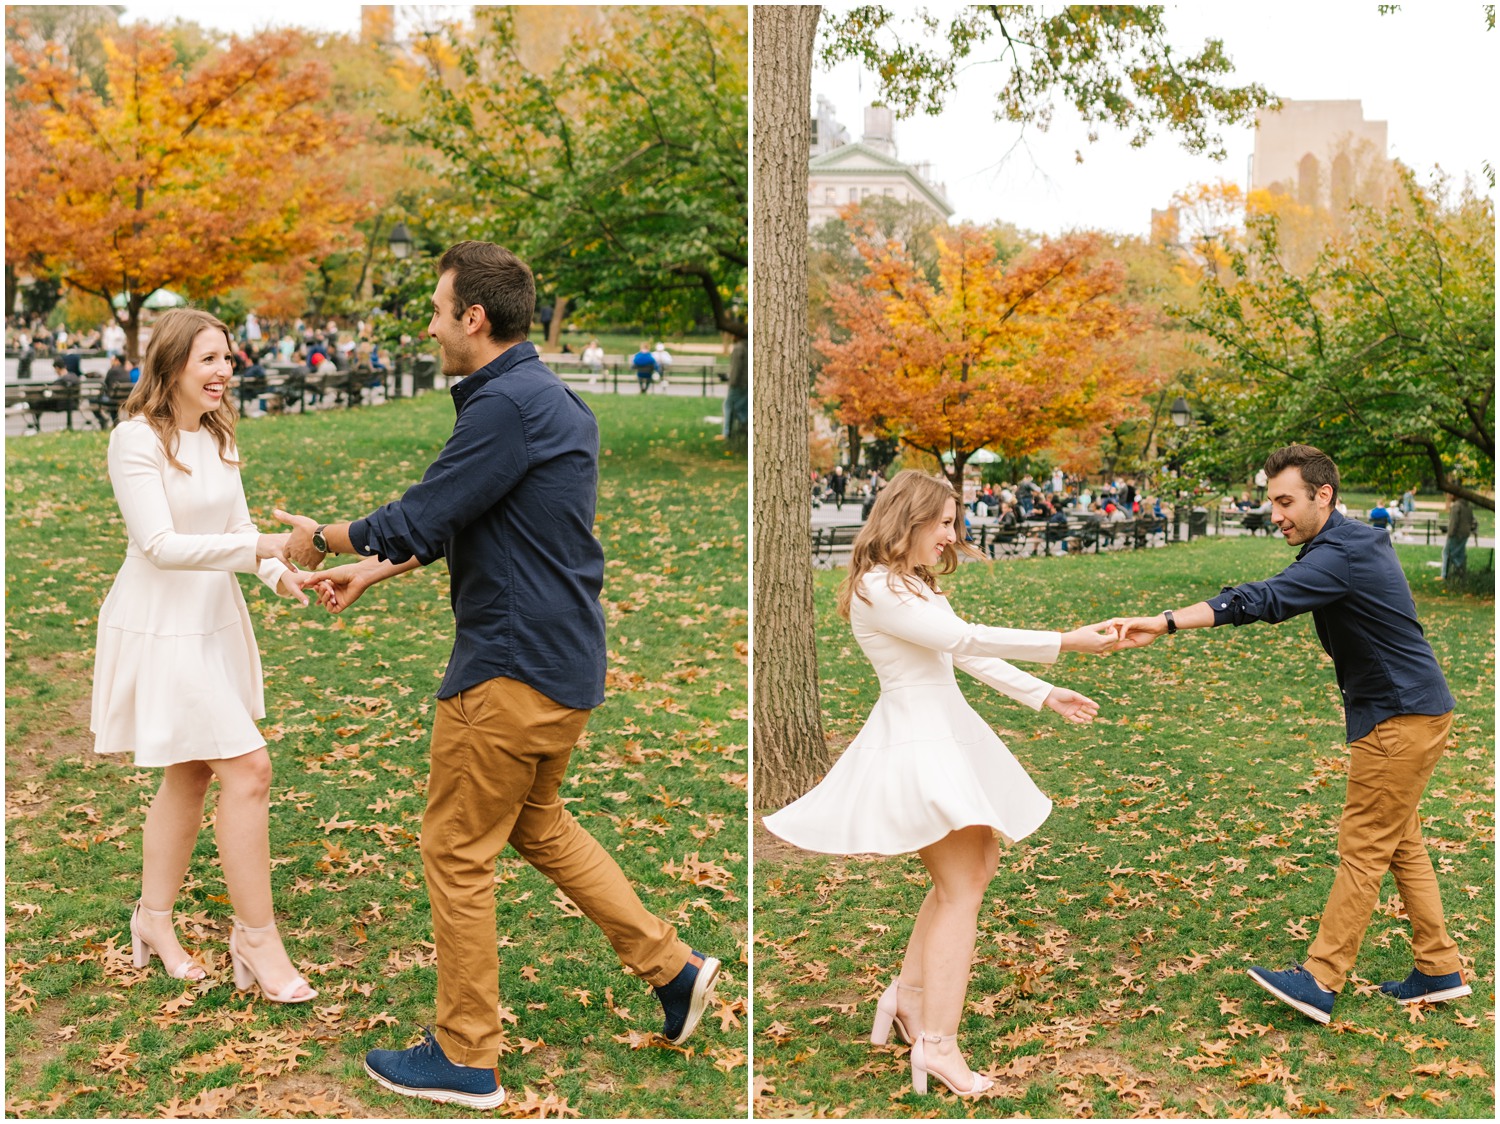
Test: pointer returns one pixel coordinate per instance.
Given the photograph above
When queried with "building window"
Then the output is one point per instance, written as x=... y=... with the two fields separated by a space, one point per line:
x=854 y=195
x=830 y=196
x=889 y=192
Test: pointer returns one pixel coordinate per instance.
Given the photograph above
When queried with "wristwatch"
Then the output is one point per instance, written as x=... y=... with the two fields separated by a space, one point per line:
x=1171 y=620
x=319 y=542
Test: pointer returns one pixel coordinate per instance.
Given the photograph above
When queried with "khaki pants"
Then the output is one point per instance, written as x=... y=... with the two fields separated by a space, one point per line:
x=499 y=752
x=1388 y=771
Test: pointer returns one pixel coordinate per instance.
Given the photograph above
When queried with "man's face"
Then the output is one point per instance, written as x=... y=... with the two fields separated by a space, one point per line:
x=1296 y=515
x=454 y=344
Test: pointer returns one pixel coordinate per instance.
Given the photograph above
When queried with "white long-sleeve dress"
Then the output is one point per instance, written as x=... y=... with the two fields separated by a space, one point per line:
x=176 y=670
x=924 y=763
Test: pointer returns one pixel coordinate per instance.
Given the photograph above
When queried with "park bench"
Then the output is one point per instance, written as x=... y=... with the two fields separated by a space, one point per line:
x=1003 y=542
x=111 y=397
x=1084 y=534
x=38 y=400
x=1147 y=528
x=827 y=540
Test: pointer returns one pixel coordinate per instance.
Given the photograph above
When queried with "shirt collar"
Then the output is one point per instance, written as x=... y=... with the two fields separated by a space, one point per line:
x=1334 y=519
x=511 y=357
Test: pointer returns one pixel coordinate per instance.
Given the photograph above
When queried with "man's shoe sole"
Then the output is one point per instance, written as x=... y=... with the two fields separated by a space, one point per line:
x=1438 y=996
x=1306 y=1008
x=703 y=988
x=443 y=1096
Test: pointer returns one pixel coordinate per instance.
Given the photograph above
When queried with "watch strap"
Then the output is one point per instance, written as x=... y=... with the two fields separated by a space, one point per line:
x=1171 y=621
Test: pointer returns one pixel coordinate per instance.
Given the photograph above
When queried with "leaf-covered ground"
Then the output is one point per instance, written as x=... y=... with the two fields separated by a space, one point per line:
x=660 y=780
x=1194 y=834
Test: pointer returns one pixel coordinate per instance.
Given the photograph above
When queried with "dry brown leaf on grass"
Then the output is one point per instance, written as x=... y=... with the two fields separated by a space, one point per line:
x=729 y=1013
x=532 y=1105
x=727 y=1059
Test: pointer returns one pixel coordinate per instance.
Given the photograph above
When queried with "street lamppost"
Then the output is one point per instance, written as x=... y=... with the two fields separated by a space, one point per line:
x=1181 y=415
x=1181 y=418
x=400 y=241
x=401 y=244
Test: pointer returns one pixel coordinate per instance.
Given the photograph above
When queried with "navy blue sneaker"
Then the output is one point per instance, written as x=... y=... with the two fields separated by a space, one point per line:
x=1296 y=988
x=1419 y=988
x=425 y=1071
x=684 y=999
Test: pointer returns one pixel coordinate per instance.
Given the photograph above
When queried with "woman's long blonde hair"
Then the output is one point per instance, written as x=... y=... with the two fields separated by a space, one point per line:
x=166 y=356
x=911 y=502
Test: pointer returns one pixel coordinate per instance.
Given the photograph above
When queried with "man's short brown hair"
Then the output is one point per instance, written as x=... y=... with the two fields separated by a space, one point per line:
x=1316 y=465
x=494 y=278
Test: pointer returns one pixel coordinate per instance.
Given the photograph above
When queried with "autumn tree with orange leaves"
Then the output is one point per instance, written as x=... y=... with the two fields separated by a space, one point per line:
x=175 y=175
x=997 y=354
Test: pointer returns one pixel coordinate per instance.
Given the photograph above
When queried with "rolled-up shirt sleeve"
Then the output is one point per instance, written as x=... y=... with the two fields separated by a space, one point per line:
x=483 y=460
x=1319 y=578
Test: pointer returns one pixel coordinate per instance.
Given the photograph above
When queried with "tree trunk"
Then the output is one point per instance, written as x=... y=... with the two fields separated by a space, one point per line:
x=856 y=447
x=133 y=328
x=790 y=754
x=555 y=328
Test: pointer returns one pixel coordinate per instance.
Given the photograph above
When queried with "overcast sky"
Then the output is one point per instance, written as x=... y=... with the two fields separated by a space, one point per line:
x=1428 y=70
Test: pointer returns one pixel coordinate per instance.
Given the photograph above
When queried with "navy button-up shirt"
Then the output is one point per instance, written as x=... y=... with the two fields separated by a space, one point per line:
x=1349 y=578
x=510 y=503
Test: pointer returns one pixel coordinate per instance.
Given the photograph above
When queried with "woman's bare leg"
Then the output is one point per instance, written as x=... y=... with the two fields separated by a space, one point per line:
x=167 y=841
x=243 y=823
x=961 y=864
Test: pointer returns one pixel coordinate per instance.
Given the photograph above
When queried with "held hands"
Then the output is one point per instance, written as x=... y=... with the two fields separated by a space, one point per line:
x=1094 y=639
x=299 y=546
x=341 y=586
x=292 y=584
x=1137 y=632
x=1072 y=706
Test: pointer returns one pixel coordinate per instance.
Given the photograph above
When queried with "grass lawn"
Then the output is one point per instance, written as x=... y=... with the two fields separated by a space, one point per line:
x=1193 y=834
x=660 y=780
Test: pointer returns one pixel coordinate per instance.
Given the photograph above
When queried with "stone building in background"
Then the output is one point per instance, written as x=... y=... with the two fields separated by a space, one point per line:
x=841 y=171
x=1322 y=152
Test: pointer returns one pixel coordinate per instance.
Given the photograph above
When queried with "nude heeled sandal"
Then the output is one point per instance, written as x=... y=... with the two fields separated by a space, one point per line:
x=142 y=951
x=919 y=1069
x=887 y=1014
x=244 y=973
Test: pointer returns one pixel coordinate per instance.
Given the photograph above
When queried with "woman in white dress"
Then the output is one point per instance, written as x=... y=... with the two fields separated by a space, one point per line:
x=177 y=680
x=926 y=773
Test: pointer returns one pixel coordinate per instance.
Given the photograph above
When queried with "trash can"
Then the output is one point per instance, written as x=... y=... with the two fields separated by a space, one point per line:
x=1197 y=523
x=423 y=373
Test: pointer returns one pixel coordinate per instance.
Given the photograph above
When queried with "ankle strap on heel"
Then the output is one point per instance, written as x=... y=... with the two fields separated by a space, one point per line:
x=242 y=927
x=941 y=1037
x=149 y=912
x=908 y=987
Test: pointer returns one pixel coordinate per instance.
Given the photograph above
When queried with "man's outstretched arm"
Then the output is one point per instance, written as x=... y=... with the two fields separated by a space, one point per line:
x=1137 y=632
x=1307 y=584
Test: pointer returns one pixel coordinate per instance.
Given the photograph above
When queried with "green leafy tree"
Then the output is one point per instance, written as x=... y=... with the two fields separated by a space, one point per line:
x=620 y=174
x=1111 y=63
x=1382 y=352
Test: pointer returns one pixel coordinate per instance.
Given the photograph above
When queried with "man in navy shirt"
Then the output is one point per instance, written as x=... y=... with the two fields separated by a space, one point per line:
x=1397 y=711
x=509 y=503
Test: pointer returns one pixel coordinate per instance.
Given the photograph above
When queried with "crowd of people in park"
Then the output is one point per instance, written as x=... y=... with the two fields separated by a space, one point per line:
x=1017 y=506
